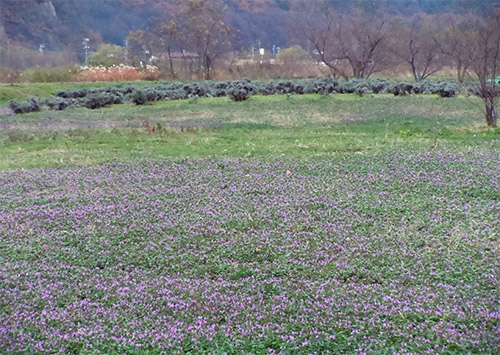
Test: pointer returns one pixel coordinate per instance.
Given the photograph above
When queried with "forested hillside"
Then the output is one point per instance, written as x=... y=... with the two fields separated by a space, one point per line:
x=61 y=24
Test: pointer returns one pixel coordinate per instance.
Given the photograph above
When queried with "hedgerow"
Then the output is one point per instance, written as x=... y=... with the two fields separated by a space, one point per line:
x=238 y=90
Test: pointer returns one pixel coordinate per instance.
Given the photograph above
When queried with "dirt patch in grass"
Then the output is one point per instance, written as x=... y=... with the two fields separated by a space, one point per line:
x=5 y=111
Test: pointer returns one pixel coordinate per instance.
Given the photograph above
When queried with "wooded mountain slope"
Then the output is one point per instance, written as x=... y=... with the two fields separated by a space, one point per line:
x=62 y=24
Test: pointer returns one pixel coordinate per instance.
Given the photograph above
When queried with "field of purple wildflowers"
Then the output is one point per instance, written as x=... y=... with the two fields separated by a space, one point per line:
x=389 y=252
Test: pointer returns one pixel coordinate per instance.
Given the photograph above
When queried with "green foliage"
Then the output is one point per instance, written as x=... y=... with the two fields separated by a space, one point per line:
x=72 y=94
x=448 y=90
x=240 y=90
x=107 y=56
x=139 y=97
x=442 y=88
x=24 y=106
x=96 y=100
x=50 y=75
x=57 y=104
x=324 y=86
x=402 y=89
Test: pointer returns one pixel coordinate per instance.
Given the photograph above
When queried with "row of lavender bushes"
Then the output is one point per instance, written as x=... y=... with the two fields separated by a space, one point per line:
x=238 y=90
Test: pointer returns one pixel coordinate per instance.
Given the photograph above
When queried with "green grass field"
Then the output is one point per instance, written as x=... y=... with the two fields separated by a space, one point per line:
x=294 y=225
x=304 y=126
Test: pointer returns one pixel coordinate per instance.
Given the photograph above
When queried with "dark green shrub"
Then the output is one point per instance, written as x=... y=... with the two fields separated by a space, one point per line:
x=474 y=90
x=124 y=89
x=178 y=94
x=448 y=89
x=426 y=87
x=380 y=86
x=139 y=97
x=299 y=88
x=200 y=89
x=94 y=101
x=348 y=87
x=72 y=94
x=267 y=88
x=116 y=99
x=240 y=90
x=284 y=87
x=220 y=89
x=152 y=94
x=324 y=86
x=31 y=105
x=57 y=104
x=402 y=89
x=359 y=87
x=238 y=94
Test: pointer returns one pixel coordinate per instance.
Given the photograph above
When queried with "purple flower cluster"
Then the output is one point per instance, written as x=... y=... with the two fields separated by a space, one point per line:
x=355 y=253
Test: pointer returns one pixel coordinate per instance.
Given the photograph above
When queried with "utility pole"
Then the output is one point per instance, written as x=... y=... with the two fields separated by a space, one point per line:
x=86 y=47
x=126 y=50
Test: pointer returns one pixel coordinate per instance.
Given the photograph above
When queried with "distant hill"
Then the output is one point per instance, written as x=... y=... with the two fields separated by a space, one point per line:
x=59 y=24
x=62 y=23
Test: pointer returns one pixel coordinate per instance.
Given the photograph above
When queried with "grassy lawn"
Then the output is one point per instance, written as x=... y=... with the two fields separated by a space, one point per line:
x=301 y=224
x=302 y=126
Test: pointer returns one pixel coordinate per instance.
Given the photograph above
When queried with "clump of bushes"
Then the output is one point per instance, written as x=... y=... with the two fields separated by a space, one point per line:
x=94 y=101
x=72 y=94
x=402 y=89
x=239 y=90
x=139 y=97
x=27 y=106
x=448 y=90
x=324 y=86
x=380 y=86
x=443 y=88
x=57 y=104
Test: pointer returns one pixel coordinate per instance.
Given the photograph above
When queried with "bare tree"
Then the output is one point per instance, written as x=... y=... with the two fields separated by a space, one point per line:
x=366 y=34
x=142 y=45
x=414 y=45
x=456 y=41
x=348 y=44
x=162 y=36
x=485 y=63
x=207 y=31
x=318 y=27
x=170 y=38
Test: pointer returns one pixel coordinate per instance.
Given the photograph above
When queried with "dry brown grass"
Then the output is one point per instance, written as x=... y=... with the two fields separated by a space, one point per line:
x=118 y=73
